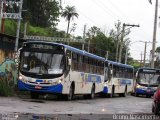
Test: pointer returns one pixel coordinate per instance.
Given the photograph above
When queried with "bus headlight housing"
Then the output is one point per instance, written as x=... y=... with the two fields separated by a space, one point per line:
x=20 y=77
x=57 y=82
x=141 y=87
x=60 y=81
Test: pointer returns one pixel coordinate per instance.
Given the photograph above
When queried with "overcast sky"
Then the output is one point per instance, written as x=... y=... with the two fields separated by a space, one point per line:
x=105 y=13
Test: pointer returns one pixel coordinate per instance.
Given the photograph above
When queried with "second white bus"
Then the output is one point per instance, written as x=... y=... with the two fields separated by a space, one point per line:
x=118 y=79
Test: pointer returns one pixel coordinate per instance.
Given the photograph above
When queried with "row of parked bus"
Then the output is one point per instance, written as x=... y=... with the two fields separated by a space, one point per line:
x=47 y=67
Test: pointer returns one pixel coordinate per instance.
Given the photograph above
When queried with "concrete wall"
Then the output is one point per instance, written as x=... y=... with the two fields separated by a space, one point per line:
x=8 y=68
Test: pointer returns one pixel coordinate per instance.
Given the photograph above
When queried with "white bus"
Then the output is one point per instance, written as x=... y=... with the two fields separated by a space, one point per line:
x=146 y=81
x=47 y=67
x=118 y=79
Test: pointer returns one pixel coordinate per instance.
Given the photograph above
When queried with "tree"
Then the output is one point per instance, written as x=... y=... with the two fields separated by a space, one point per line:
x=68 y=13
x=42 y=13
x=116 y=34
x=158 y=49
x=100 y=43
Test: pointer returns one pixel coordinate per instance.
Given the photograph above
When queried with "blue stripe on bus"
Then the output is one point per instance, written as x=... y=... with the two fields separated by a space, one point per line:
x=105 y=89
x=91 y=78
x=50 y=89
x=144 y=92
x=124 y=82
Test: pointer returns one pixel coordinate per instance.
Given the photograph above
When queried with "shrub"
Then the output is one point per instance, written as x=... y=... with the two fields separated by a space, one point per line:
x=5 y=89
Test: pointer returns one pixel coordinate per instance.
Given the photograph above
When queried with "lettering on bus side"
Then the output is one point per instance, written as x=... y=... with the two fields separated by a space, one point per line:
x=90 y=78
x=125 y=82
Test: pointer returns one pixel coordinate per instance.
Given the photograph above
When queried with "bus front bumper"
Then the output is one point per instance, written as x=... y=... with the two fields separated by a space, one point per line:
x=48 y=89
x=145 y=91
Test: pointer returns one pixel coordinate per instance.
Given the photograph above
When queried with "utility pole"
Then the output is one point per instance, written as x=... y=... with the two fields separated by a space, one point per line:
x=106 y=55
x=145 y=47
x=154 y=35
x=5 y=15
x=84 y=36
x=1 y=10
x=141 y=60
x=144 y=59
x=121 y=43
x=122 y=36
x=18 y=27
x=3 y=19
x=126 y=56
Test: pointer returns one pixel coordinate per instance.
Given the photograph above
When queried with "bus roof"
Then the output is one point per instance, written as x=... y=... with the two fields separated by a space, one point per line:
x=119 y=64
x=82 y=52
x=148 y=68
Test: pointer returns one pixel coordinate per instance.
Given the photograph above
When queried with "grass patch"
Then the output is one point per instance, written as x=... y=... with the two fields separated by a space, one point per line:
x=5 y=89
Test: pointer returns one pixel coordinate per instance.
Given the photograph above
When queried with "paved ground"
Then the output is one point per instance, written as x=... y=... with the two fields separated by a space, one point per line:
x=53 y=108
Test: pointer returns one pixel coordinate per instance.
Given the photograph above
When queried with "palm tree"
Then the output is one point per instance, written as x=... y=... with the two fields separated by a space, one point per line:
x=68 y=13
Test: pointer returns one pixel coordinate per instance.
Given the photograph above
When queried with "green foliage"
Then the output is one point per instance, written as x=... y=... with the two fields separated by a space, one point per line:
x=158 y=49
x=100 y=43
x=134 y=63
x=37 y=31
x=5 y=89
x=42 y=13
x=10 y=27
x=68 y=13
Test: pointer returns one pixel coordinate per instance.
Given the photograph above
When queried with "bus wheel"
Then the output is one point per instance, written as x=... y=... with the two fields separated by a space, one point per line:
x=71 y=93
x=152 y=109
x=125 y=92
x=112 y=93
x=155 y=110
x=92 y=95
x=136 y=94
x=34 y=95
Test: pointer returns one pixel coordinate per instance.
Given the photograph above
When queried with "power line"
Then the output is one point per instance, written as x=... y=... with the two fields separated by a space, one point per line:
x=101 y=7
x=119 y=10
x=90 y=19
x=106 y=8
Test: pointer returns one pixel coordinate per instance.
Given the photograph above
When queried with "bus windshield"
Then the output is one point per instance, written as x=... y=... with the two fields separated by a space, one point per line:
x=148 y=78
x=42 y=63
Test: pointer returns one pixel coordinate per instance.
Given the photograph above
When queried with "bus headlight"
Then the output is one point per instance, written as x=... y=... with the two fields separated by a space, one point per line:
x=141 y=87
x=60 y=81
x=20 y=77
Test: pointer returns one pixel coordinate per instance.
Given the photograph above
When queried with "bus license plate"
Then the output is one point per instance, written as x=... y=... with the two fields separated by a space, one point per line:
x=38 y=87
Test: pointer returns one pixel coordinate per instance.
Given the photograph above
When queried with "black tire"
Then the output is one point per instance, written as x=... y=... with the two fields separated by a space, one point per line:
x=103 y=95
x=156 y=110
x=92 y=95
x=69 y=97
x=125 y=93
x=112 y=93
x=136 y=94
x=34 y=95
x=152 y=109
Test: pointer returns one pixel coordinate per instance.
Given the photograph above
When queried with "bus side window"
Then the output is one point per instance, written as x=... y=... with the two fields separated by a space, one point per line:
x=158 y=80
x=109 y=72
x=106 y=74
x=74 y=61
x=80 y=58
